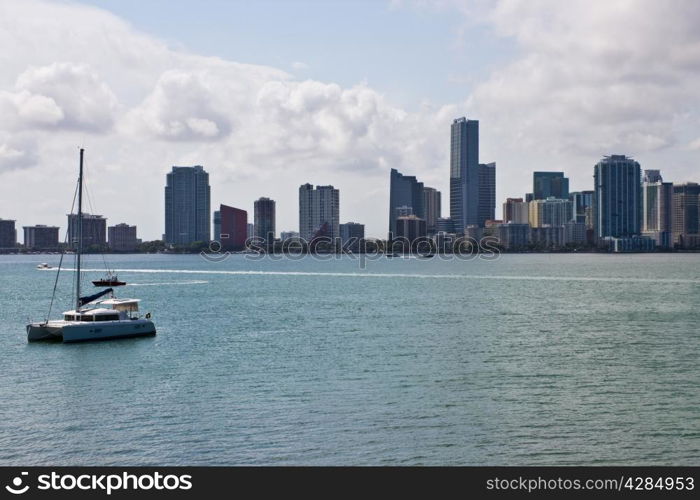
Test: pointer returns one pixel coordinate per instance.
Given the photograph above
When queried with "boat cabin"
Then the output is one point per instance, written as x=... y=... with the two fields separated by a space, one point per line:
x=122 y=309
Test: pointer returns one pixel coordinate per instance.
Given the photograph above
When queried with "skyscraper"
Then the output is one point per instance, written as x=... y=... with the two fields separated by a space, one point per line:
x=617 y=197
x=487 y=192
x=549 y=184
x=582 y=201
x=122 y=238
x=686 y=215
x=234 y=227
x=549 y=212
x=217 y=226
x=319 y=211
x=657 y=208
x=94 y=231
x=464 y=173
x=351 y=235
x=404 y=191
x=515 y=211
x=432 y=207
x=264 y=219
x=8 y=234
x=187 y=206
x=40 y=237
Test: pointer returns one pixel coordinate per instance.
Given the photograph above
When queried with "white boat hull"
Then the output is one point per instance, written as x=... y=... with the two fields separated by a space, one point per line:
x=75 y=331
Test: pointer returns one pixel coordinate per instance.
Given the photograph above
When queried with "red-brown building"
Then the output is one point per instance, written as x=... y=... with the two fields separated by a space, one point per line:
x=234 y=228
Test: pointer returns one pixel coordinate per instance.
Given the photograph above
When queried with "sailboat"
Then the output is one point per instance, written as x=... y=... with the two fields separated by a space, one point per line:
x=94 y=317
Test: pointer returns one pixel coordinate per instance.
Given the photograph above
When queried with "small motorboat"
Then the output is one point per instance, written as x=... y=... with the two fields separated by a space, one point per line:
x=44 y=265
x=110 y=280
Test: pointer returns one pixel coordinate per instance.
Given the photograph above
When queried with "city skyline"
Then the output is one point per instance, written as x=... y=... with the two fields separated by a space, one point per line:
x=148 y=100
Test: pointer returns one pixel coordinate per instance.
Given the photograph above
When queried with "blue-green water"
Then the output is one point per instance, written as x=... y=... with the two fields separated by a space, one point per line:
x=531 y=359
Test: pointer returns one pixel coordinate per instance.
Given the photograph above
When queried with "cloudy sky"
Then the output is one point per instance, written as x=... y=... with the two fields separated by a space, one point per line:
x=270 y=95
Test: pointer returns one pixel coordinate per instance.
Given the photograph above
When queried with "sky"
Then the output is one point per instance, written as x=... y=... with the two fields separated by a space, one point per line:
x=270 y=95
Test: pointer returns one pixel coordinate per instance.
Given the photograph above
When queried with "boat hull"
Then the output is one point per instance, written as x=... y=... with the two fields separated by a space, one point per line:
x=90 y=330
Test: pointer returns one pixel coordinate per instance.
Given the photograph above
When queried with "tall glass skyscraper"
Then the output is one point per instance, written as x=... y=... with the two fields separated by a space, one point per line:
x=657 y=208
x=487 y=192
x=617 y=197
x=264 y=219
x=464 y=173
x=550 y=184
x=187 y=206
x=404 y=191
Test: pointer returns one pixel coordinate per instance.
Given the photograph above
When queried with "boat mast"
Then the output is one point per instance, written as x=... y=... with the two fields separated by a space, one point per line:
x=80 y=233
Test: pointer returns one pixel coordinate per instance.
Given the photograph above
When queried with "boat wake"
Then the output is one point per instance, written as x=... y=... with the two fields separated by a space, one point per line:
x=188 y=282
x=606 y=279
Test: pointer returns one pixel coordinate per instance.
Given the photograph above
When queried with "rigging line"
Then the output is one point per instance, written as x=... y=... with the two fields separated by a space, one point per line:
x=92 y=210
x=60 y=262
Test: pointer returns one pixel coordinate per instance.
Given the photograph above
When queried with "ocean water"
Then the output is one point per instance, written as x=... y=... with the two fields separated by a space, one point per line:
x=529 y=359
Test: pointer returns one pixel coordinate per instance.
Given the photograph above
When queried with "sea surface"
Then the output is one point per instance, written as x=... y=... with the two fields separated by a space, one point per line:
x=542 y=359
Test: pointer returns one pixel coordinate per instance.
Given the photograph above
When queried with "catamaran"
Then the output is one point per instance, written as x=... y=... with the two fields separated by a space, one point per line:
x=95 y=317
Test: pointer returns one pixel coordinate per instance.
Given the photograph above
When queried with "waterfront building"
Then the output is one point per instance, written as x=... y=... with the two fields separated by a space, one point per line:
x=473 y=231
x=444 y=225
x=516 y=210
x=487 y=193
x=8 y=234
x=549 y=212
x=549 y=185
x=686 y=215
x=122 y=238
x=40 y=237
x=410 y=227
x=657 y=209
x=234 y=228
x=94 y=231
x=581 y=201
x=187 y=206
x=575 y=233
x=250 y=230
x=548 y=237
x=404 y=191
x=217 y=226
x=264 y=219
x=289 y=235
x=512 y=235
x=617 y=199
x=464 y=173
x=319 y=212
x=352 y=232
x=431 y=207
x=628 y=244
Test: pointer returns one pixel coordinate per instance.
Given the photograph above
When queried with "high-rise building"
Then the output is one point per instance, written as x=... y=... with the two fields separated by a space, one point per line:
x=686 y=215
x=516 y=211
x=40 y=237
x=512 y=235
x=444 y=225
x=617 y=198
x=289 y=235
x=550 y=212
x=431 y=207
x=351 y=235
x=8 y=234
x=657 y=209
x=251 y=230
x=122 y=238
x=234 y=228
x=264 y=219
x=217 y=226
x=404 y=191
x=319 y=212
x=549 y=184
x=464 y=173
x=487 y=192
x=94 y=231
x=410 y=227
x=581 y=201
x=187 y=206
